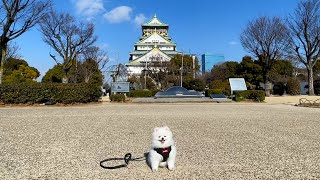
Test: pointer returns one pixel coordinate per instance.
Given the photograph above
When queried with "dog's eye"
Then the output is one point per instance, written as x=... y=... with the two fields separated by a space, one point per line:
x=165 y=136
x=159 y=137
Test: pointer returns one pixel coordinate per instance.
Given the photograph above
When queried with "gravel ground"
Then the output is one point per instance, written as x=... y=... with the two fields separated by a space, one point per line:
x=214 y=141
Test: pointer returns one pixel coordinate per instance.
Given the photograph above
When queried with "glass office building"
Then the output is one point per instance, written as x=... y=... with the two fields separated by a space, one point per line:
x=209 y=60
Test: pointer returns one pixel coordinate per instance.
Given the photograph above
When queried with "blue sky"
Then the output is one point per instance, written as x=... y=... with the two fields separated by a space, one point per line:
x=197 y=27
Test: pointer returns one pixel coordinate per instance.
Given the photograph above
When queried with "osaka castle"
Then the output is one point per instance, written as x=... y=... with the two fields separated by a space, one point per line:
x=154 y=45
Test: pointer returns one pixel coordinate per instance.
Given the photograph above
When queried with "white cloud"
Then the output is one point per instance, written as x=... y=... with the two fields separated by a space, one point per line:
x=118 y=14
x=89 y=7
x=140 y=19
x=104 y=46
x=233 y=43
x=113 y=59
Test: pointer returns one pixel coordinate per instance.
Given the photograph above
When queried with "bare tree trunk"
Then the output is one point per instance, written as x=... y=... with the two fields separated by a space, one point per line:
x=267 y=84
x=86 y=80
x=3 y=58
x=1 y=73
x=310 y=81
x=65 y=79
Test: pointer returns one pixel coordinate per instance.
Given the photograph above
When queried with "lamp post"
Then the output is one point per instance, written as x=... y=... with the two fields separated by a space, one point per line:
x=145 y=75
x=194 y=66
x=181 y=69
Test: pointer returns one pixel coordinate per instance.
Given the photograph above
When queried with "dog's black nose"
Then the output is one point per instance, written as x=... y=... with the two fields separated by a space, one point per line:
x=162 y=138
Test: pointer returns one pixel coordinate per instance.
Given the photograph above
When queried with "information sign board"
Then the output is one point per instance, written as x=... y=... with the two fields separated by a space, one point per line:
x=120 y=87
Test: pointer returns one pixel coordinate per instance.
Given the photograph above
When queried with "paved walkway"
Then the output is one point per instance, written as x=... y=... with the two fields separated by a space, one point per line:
x=214 y=141
x=288 y=99
x=178 y=100
x=291 y=100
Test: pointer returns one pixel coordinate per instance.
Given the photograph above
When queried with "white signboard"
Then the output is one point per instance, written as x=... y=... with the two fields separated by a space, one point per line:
x=237 y=84
x=120 y=87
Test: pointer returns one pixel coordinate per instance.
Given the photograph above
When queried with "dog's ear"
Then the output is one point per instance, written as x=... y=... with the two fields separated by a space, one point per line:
x=155 y=129
x=166 y=128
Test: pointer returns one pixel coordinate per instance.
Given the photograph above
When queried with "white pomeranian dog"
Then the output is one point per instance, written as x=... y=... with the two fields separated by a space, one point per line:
x=163 y=150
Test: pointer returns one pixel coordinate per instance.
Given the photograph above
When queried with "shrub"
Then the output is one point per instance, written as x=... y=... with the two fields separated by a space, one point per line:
x=256 y=95
x=279 y=88
x=316 y=86
x=117 y=98
x=32 y=93
x=208 y=92
x=249 y=86
x=53 y=75
x=195 y=84
x=154 y=92
x=223 y=85
x=293 y=86
x=140 y=93
x=219 y=84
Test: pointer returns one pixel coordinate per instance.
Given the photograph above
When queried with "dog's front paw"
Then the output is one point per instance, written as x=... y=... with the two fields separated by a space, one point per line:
x=154 y=169
x=171 y=167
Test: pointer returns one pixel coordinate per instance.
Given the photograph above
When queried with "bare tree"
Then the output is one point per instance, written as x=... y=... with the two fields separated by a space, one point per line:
x=304 y=25
x=13 y=51
x=17 y=17
x=157 y=70
x=67 y=38
x=118 y=72
x=98 y=59
x=267 y=39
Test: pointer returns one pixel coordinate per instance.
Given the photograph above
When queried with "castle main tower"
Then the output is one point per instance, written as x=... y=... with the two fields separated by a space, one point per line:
x=154 y=45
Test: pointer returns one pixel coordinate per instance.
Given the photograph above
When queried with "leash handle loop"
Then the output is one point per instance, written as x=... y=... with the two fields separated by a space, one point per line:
x=127 y=158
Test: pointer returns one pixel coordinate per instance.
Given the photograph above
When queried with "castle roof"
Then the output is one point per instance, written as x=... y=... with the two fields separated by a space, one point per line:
x=144 y=58
x=155 y=35
x=155 y=22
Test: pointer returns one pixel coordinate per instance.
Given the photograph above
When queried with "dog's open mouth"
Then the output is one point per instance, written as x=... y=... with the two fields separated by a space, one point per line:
x=162 y=141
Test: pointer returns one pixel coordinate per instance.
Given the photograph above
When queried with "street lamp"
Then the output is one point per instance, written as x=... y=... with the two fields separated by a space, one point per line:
x=181 y=69
x=194 y=66
x=145 y=75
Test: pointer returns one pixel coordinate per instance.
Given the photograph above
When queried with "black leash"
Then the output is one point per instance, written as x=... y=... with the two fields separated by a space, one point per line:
x=127 y=158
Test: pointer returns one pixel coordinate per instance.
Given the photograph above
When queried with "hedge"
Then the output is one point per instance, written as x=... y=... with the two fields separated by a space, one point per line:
x=117 y=98
x=33 y=93
x=141 y=93
x=208 y=92
x=256 y=95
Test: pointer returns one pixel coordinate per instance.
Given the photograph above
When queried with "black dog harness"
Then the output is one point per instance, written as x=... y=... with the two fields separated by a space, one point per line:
x=164 y=152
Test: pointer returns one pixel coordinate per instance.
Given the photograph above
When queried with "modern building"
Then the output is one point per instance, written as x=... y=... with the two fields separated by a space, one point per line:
x=209 y=60
x=154 y=45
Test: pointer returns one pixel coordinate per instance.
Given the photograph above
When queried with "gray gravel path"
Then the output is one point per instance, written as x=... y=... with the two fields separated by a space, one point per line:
x=214 y=141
